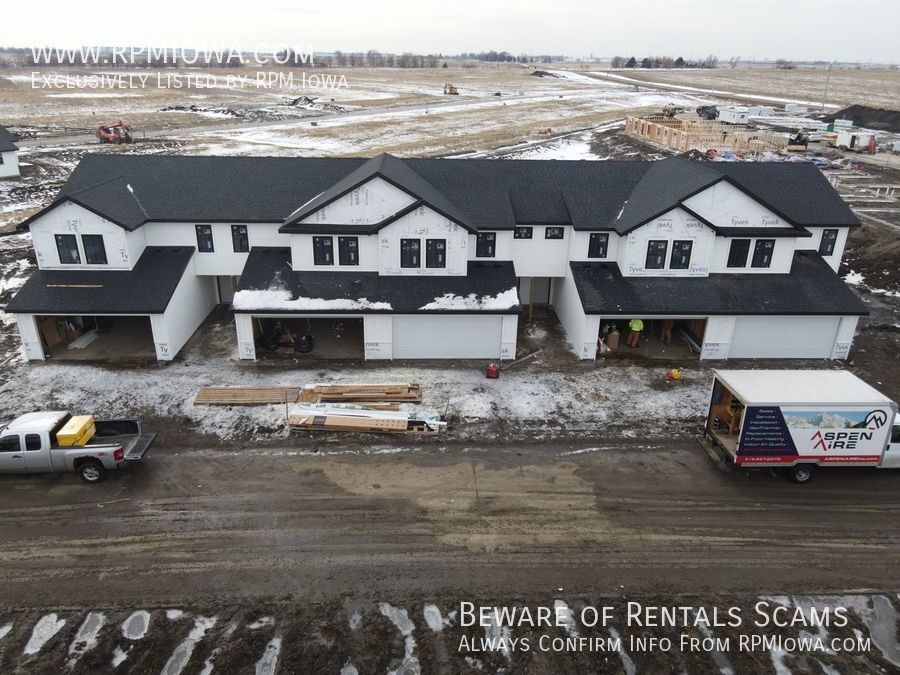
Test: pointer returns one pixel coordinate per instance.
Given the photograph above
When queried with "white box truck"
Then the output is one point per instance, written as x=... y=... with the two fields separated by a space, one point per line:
x=801 y=419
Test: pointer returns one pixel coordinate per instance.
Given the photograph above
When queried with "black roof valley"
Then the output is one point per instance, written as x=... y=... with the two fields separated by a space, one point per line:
x=7 y=140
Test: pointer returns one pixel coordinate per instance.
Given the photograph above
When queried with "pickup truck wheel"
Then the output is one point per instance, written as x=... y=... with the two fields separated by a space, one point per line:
x=91 y=471
x=801 y=473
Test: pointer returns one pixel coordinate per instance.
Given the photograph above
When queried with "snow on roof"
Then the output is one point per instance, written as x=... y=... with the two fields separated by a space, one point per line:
x=505 y=300
x=799 y=387
x=279 y=299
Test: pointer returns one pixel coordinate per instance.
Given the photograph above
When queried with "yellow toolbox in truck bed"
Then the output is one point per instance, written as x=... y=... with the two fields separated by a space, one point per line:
x=77 y=431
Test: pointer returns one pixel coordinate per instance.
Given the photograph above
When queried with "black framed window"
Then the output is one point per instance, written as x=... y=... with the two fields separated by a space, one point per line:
x=204 y=239
x=348 y=250
x=10 y=444
x=240 y=240
x=656 y=254
x=554 y=232
x=94 y=250
x=737 y=254
x=410 y=253
x=523 y=232
x=32 y=442
x=435 y=253
x=598 y=245
x=762 y=253
x=486 y=245
x=67 y=247
x=681 y=254
x=829 y=239
x=323 y=250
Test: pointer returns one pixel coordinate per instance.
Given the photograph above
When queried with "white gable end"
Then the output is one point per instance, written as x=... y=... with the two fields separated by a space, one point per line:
x=370 y=203
x=725 y=206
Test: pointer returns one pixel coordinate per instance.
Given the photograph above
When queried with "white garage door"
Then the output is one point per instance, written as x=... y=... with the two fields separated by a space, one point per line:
x=447 y=337
x=788 y=337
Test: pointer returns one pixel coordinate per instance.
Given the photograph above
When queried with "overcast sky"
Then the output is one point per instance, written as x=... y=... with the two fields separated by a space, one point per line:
x=843 y=30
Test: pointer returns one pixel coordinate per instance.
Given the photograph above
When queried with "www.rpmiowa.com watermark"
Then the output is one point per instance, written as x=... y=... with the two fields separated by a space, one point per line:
x=271 y=66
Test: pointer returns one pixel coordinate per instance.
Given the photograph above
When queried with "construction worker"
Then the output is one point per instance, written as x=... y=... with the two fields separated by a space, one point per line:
x=635 y=326
x=667 y=326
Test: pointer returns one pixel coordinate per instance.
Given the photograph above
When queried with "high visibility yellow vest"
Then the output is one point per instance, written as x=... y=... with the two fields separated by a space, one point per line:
x=636 y=325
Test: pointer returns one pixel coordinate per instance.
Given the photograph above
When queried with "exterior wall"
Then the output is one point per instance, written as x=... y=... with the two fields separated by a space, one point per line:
x=509 y=331
x=541 y=257
x=581 y=330
x=368 y=204
x=578 y=247
x=674 y=225
x=812 y=244
x=123 y=248
x=717 y=337
x=302 y=254
x=844 y=339
x=378 y=336
x=194 y=298
x=504 y=245
x=243 y=323
x=782 y=257
x=223 y=261
x=10 y=166
x=30 y=336
x=423 y=223
x=724 y=205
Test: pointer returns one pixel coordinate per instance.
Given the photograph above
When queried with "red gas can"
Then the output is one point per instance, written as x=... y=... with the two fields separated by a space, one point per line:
x=493 y=371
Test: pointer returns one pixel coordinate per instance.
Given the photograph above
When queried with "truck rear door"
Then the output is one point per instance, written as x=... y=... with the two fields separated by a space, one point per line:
x=12 y=457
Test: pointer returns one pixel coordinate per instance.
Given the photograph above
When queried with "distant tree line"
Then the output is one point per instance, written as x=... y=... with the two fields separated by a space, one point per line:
x=710 y=61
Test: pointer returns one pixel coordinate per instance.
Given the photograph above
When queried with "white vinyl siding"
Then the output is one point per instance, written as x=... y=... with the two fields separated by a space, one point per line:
x=452 y=336
x=788 y=337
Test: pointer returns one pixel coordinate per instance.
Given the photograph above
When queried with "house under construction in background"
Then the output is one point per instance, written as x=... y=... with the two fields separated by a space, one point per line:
x=685 y=135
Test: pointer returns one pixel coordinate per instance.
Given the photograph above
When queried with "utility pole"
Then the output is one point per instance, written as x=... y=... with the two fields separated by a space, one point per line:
x=827 y=77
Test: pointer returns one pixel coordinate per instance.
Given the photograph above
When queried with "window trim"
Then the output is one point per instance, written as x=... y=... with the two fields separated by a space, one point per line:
x=489 y=241
x=346 y=239
x=553 y=228
x=690 y=253
x=329 y=250
x=523 y=230
x=833 y=233
x=746 y=255
x=407 y=265
x=212 y=240
x=87 y=258
x=56 y=238
x=234 y=241
x=428 y=253
x=757 y=247
x=662 y=255
x=601 y=240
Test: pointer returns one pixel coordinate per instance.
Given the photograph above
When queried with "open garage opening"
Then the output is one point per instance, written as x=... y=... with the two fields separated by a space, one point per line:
x=313 y=337
x=661 y=337
x=97 y=338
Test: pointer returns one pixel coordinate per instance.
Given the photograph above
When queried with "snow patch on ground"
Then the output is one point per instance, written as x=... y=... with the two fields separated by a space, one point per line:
x=135 y=626
x=449 y=301
x=46 y=627
x=86 y=637
x=4 y=630
x=400 y=618
x=564 y=612
x=433 y=618
x=261 y=622
x=182 y=653
x=119 y=656
x=269 y=659
x=174 y=614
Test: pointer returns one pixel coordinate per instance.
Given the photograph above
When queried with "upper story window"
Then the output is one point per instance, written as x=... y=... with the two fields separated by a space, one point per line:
x=681 y=254
x=486 y=245
x=737 y=254
x=656 y=254
x=323 y=250
x=348 y=250
x=598 y=245
x=94 y=250
x=554 y=232
x=829 y=239
x=436 y=253
x=523 y=232
x=762 y=253
x=240 y=240
x=67 y=247
x=204 y=239
x=410 y=253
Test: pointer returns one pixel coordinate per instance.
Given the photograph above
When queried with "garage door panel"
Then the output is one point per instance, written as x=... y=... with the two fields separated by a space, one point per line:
x=447 y=337
x=797 y=337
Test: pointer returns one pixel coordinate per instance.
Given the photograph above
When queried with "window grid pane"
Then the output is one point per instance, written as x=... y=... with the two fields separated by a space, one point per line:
x=205 y=239
x=239 y=239
x=598 y=245
x=67 y=247
x=94 y=250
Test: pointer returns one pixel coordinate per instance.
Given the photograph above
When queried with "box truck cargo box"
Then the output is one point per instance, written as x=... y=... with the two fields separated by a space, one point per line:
x=801 y=419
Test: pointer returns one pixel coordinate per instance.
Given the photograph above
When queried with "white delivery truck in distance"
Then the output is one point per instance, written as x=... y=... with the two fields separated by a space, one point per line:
x=801 y=419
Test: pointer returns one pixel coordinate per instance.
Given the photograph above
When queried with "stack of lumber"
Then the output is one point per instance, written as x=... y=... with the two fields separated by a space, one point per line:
x=400 y=392
x=246 y=395
x=344 y=417
x=373 y=396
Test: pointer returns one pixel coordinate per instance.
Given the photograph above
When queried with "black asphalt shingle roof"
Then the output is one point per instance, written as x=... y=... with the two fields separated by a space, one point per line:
x=146 y=289
x=481 y=193
x=269 y=268
x=812 y=287
x=7 y=140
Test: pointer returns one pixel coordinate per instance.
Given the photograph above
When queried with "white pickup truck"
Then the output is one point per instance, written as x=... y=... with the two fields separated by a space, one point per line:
x=28 y=444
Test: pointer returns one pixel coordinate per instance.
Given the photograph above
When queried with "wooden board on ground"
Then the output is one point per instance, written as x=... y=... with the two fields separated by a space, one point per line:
x=405 y=392
x=246 y=395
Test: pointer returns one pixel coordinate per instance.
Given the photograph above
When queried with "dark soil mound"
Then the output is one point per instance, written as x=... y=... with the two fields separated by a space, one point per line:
x=870 y=118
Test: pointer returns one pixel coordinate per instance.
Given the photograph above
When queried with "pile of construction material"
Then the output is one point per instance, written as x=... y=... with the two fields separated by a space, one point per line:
x=347 y=417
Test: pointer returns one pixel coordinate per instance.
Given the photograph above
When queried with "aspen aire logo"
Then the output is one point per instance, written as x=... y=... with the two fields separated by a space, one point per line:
x=849 y=440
